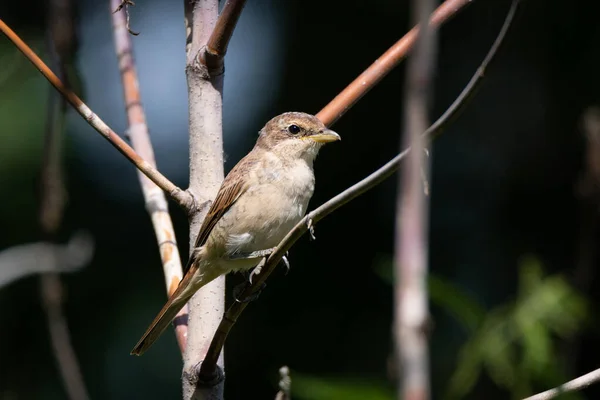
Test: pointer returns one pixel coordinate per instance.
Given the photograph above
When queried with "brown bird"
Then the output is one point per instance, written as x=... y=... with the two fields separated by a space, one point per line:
x=260 y=201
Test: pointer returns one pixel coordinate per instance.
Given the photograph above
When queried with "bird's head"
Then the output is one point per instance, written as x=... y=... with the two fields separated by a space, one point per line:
x=295 y=134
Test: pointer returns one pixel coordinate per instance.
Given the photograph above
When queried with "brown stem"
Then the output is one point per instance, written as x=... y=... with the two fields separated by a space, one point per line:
x=53 y=201
x=233 y=313
x=384 y=64
x=184 y=199
x=154 y=197
x=217 y=44
x=412 y=216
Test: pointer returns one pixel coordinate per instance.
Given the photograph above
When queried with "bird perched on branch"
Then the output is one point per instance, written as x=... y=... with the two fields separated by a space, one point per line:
x=263 y=197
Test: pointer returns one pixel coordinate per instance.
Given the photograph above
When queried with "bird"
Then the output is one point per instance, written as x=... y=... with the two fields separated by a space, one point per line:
x=261 y=199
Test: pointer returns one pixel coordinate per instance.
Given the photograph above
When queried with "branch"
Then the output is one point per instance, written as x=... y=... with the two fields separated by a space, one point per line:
x=52 y=293
x=43 y=257
x=53 y=199
x=412 y=215
x=384 y=65
x=216 y=47
x=154 y=197
x=233 y=313
x=285 y=384
x=184 y=199
x=205 y=99
x=574 y=385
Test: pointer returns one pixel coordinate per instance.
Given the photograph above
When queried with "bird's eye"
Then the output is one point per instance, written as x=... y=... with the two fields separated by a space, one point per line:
x=294 y=129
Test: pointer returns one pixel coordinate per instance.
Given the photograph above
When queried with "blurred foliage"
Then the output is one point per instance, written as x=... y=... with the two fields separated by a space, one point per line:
x=318 y=388
x=515 y=343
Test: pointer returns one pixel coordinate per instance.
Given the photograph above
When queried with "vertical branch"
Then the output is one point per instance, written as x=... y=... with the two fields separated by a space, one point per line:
x=587 y=190
x=53 y=201
x=206 y=174
x=154 y=197
x=204 y=72
x=412 y=219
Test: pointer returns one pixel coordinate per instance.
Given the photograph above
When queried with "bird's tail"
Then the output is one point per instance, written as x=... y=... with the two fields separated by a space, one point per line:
x=160 y=323
x=175 y=303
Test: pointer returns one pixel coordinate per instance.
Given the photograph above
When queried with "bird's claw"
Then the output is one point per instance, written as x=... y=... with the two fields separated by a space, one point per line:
x=311 y=229
x=255 y=271
x=258 y=269
x=285 y=263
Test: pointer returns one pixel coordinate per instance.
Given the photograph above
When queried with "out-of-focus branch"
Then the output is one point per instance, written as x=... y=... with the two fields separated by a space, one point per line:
x=587 y=190
x=574 y=385
x=384 y=65
x=205 y=99
x=183 y=198
x=61 y=40
x=216 y=47
x=412 y=219
x=52 y=292
x=156 y=202
x=41 y=257
x=233 y=313
x=285 y=384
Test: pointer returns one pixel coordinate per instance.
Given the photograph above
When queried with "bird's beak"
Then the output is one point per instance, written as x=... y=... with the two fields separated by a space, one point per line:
x=325 y=136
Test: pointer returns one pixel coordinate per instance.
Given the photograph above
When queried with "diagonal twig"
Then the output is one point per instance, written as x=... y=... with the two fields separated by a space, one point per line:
x=576 y=384
x=233 y=313
x=384 y=65
x=183 y=198
x=156 y=202
x=216 y=47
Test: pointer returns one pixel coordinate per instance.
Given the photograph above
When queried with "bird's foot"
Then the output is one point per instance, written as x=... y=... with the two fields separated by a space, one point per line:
x=239 y=289
x=258 y=269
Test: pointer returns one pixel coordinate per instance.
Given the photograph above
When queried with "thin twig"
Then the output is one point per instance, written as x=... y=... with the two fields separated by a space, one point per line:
x=574 y=385
x=183 y=198
x=53 y=201
x=384 y=65
x=412 y=216
x=233 y=313
x=124 y=4
x=156 y=202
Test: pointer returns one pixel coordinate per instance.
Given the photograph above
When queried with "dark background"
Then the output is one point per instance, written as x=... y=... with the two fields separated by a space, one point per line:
x=503 y=186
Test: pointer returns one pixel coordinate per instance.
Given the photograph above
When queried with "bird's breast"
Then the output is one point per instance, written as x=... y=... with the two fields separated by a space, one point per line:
x=275 y=201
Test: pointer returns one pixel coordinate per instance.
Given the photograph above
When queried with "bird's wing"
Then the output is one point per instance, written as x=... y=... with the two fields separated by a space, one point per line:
x=232 y=188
